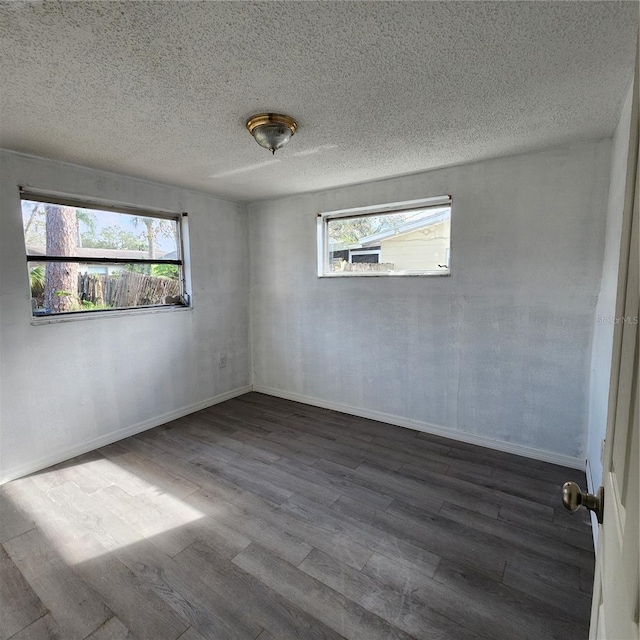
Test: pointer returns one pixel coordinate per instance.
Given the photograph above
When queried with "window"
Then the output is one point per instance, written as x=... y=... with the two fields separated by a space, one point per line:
x=371 y=256
x=84 y=257
x=400 y=239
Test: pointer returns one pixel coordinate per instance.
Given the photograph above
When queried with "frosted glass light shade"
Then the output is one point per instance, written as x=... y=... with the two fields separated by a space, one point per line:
x=272 y=130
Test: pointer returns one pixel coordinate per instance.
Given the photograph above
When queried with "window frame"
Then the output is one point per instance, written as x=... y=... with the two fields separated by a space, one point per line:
x=323 y=219
x=181 y=219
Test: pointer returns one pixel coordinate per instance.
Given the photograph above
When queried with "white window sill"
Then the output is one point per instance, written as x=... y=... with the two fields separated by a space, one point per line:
x=382 y=274
x=116 y=313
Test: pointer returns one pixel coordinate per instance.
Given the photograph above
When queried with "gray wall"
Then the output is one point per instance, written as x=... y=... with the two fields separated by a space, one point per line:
x=497 y=353
x=71 y=386
x=605 y=310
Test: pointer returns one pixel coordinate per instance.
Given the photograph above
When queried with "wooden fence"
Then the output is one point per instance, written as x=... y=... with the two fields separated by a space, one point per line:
x=125 y=289
x=343 y=265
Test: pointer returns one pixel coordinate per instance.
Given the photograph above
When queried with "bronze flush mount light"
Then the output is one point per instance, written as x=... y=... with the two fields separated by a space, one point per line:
x=271 y=130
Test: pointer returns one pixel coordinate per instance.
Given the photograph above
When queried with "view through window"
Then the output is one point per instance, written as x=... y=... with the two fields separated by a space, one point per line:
x=82 y=259
x=408 y=240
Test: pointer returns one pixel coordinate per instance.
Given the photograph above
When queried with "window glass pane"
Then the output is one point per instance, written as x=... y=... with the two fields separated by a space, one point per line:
x=365 y=257
x=63 y=287
x=404 y=242
x=59 y=230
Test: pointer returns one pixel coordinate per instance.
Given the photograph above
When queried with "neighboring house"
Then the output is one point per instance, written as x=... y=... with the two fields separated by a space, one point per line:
x=416 y=245
x=91 y=252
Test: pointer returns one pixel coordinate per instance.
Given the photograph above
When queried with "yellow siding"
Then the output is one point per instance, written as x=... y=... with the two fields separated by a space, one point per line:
x=419 y=250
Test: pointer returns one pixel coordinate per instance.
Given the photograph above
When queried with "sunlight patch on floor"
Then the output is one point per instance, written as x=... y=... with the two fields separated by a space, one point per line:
x=85 y=512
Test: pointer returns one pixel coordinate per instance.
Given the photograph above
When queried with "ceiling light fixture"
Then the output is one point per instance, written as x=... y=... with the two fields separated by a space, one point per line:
x=271 y=130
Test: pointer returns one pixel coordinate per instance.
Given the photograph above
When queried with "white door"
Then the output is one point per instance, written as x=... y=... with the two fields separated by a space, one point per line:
x=616 y=595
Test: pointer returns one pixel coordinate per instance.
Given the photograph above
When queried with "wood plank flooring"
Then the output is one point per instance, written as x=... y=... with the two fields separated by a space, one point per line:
x=264 y=518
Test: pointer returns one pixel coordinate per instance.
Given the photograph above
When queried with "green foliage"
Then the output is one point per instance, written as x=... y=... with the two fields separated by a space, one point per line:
x=87 y=305
x=36 y=280
x=87 y=218
x=158 y=270
x=34 y=218
x=114 y=238
x=165 y=271
x=351 y=230
x=137 y=268
x=153 y=229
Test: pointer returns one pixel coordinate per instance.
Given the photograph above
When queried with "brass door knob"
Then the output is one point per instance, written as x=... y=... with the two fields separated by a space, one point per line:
x=573 y=498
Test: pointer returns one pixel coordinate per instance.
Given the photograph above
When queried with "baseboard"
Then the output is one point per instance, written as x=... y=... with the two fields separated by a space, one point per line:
x=120 y=434
x=445 y=432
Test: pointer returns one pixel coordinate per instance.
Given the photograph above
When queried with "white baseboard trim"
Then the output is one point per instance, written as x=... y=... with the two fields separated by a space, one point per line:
x=445 y=432
x=120 y=434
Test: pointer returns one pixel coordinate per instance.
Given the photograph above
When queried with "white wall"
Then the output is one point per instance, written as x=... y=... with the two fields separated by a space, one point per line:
x=605 y=311
x=497 y=353
x=72 y=386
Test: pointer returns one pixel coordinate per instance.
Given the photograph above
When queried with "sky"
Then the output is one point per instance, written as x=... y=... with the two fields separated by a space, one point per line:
x=103 y=219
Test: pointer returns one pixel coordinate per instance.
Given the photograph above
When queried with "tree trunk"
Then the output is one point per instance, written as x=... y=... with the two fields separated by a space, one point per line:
x=61 y=278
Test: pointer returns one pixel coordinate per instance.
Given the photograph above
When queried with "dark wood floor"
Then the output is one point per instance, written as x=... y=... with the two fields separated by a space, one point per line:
x=263 y=518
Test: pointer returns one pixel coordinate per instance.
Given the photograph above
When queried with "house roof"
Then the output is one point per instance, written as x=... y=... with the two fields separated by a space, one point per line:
x=162 y=90
x=407 y=227
x=417 y=222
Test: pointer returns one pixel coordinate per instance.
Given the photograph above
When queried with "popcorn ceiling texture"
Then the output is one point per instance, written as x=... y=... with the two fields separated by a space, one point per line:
x=162 y=90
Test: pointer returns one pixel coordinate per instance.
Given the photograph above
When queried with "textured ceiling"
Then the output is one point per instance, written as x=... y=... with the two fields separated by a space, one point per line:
x=162 y=90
